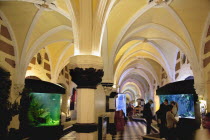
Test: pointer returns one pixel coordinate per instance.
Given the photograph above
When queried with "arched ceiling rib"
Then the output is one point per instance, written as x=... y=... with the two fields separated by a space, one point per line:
x=140 y=54
x=36 y=28
x=136 y=82
x=16 y=13
x=135 y=73
x=130 y=93
x=140 y=36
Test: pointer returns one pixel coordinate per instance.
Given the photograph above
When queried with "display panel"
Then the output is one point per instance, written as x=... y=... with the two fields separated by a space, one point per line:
x=44 y=109
x=185 y=104
x=121 y=102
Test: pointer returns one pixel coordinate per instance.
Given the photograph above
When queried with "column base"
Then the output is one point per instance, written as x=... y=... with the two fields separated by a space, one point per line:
x=85 y=127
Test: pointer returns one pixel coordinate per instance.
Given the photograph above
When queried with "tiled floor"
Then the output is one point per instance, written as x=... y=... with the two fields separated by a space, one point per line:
x=69 y=136
x=133 y=131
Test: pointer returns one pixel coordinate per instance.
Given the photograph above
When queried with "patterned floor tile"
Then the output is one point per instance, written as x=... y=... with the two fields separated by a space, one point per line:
x=133 y=131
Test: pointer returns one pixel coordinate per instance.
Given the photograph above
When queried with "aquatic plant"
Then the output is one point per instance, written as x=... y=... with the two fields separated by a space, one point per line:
x=37 y=113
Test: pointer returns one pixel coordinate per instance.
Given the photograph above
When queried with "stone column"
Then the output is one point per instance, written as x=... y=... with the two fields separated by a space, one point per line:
x=112 y=108
x=108 y=89
x=86 y=71
x=200 y=90
x=17 y=89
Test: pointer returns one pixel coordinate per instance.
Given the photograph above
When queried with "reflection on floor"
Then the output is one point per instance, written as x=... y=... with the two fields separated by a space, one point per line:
x=133 y=131
x=69 y=136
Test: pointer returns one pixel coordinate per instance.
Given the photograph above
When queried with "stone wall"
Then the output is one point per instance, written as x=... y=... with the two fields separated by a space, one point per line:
x=40 y=66
x=182 y=68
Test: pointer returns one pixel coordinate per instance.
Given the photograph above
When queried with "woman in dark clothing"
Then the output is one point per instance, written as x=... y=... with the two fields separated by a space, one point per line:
x=119 y=120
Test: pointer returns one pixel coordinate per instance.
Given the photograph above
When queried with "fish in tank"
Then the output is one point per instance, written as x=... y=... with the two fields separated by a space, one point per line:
x=185 y=104
x=44 y=109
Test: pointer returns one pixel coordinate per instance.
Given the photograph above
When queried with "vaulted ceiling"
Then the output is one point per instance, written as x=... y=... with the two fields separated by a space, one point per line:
x=136 y=38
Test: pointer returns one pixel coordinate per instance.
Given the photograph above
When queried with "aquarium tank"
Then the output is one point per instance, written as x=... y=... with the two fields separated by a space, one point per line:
x=185 y=104
x=44 y=109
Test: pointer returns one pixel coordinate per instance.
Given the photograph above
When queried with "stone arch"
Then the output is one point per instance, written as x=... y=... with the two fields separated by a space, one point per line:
x=37 y=46
x=162 y=61
x=129 y=95
x=124 y=87
x=129 y=72
x=40 y=66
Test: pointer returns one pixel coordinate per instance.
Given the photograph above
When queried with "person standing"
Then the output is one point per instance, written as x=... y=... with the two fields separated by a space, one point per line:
x=175 y=109
x=147 y=114
x=171 y=122
x=119 y=120
x=129 y=111
x=161 y=115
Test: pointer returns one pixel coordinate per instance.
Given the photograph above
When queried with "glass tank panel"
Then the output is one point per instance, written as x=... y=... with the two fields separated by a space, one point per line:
x=44 y=109
x=185 y=104
x=121 y=102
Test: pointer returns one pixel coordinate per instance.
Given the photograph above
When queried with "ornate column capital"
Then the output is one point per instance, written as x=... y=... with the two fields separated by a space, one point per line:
x=107 y=88
x=86 y=71
x=86 y=78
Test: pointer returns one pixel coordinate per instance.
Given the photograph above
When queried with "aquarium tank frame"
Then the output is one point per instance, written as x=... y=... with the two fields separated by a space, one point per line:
x=183 y=87
x=38 y=86
x=178 y=88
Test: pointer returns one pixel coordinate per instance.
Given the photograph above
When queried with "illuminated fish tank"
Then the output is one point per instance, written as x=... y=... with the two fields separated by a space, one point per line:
x=40 y=104
x=185 y=104
x=183 y=93
x=44 y=109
